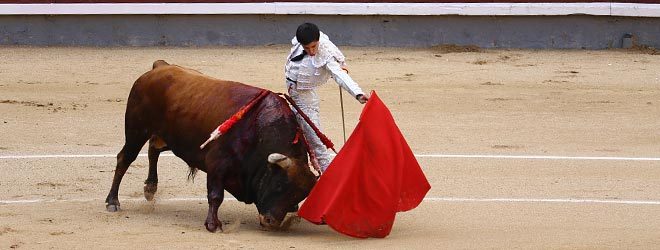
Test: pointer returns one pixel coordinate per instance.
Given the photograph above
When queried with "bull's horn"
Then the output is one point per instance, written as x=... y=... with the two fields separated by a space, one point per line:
x=280 y=159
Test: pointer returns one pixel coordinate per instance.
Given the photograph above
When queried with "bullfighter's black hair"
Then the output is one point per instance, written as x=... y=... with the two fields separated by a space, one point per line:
x=307 y=33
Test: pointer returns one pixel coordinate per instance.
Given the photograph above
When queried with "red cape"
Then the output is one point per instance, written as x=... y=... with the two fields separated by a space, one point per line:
x=374 y=176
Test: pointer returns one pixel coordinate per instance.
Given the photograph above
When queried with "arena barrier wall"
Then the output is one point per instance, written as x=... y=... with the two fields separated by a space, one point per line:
x=590 y=25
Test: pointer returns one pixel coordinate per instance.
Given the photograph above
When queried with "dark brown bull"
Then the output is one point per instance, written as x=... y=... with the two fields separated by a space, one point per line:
x=260 y=160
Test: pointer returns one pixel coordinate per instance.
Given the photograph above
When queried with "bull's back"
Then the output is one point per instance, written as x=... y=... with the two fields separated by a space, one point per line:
x=183 y=106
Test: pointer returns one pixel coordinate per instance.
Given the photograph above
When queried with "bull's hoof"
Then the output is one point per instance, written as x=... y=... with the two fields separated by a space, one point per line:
x=212 y=227
x=112 y=208
x=150 y=191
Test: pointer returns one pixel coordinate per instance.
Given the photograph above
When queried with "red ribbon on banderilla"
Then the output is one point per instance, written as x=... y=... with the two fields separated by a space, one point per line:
x=226 y=125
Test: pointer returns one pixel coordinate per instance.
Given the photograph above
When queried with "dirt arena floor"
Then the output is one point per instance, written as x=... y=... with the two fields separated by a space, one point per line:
x=463 y=113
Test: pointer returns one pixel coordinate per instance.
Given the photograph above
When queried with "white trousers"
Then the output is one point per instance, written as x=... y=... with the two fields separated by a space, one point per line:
x=308 y=101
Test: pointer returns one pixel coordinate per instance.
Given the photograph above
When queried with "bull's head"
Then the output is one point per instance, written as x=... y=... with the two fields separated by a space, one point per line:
x=289 y=182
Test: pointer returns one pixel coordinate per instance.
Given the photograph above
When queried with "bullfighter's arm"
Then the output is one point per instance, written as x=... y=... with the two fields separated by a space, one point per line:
x=343 y=79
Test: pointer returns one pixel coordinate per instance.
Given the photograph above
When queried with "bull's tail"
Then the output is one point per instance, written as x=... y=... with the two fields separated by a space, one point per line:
x=159 y=63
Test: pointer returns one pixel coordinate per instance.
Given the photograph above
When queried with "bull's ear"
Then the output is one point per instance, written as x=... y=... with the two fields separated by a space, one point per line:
x=281 y=160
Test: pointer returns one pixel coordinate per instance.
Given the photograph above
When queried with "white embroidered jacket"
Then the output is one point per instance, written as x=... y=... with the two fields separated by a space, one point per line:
x=313 y=71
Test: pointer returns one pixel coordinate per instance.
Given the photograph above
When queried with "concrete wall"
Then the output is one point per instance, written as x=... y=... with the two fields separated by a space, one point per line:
x=573 y=31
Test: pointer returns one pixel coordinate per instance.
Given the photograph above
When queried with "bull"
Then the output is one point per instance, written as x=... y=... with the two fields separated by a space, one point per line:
x=261 y=160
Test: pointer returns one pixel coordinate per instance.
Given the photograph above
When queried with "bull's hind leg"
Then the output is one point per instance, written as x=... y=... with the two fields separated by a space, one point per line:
x=156 y=146
x=125 y=157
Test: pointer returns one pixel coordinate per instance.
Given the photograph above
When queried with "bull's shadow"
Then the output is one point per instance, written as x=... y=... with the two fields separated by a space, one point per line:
x=237 y=217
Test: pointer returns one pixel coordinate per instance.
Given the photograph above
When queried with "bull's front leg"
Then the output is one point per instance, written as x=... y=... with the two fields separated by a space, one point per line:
x=216 y=193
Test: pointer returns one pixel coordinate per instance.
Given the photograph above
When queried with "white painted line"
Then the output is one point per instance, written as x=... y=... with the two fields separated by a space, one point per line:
x=540 y=157
x=329 y=8
x=525 y=200
x=21 y=201
x=188 y=199
x=524 y=157
x=427 y=199
x=8 y=157
x=5 y=202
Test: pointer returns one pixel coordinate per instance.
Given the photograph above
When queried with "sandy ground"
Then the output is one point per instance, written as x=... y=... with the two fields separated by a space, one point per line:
x=70 y=101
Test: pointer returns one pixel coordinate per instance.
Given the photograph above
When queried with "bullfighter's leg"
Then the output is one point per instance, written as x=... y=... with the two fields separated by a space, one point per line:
x=125 y=157
x=156 y=146
x=308 y=101
x=320 y=150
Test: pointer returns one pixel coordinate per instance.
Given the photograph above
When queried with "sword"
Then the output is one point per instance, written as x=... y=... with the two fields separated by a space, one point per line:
x=343 y=123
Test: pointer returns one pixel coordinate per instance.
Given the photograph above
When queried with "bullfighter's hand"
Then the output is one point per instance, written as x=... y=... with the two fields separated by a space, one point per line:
x=362 y=98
